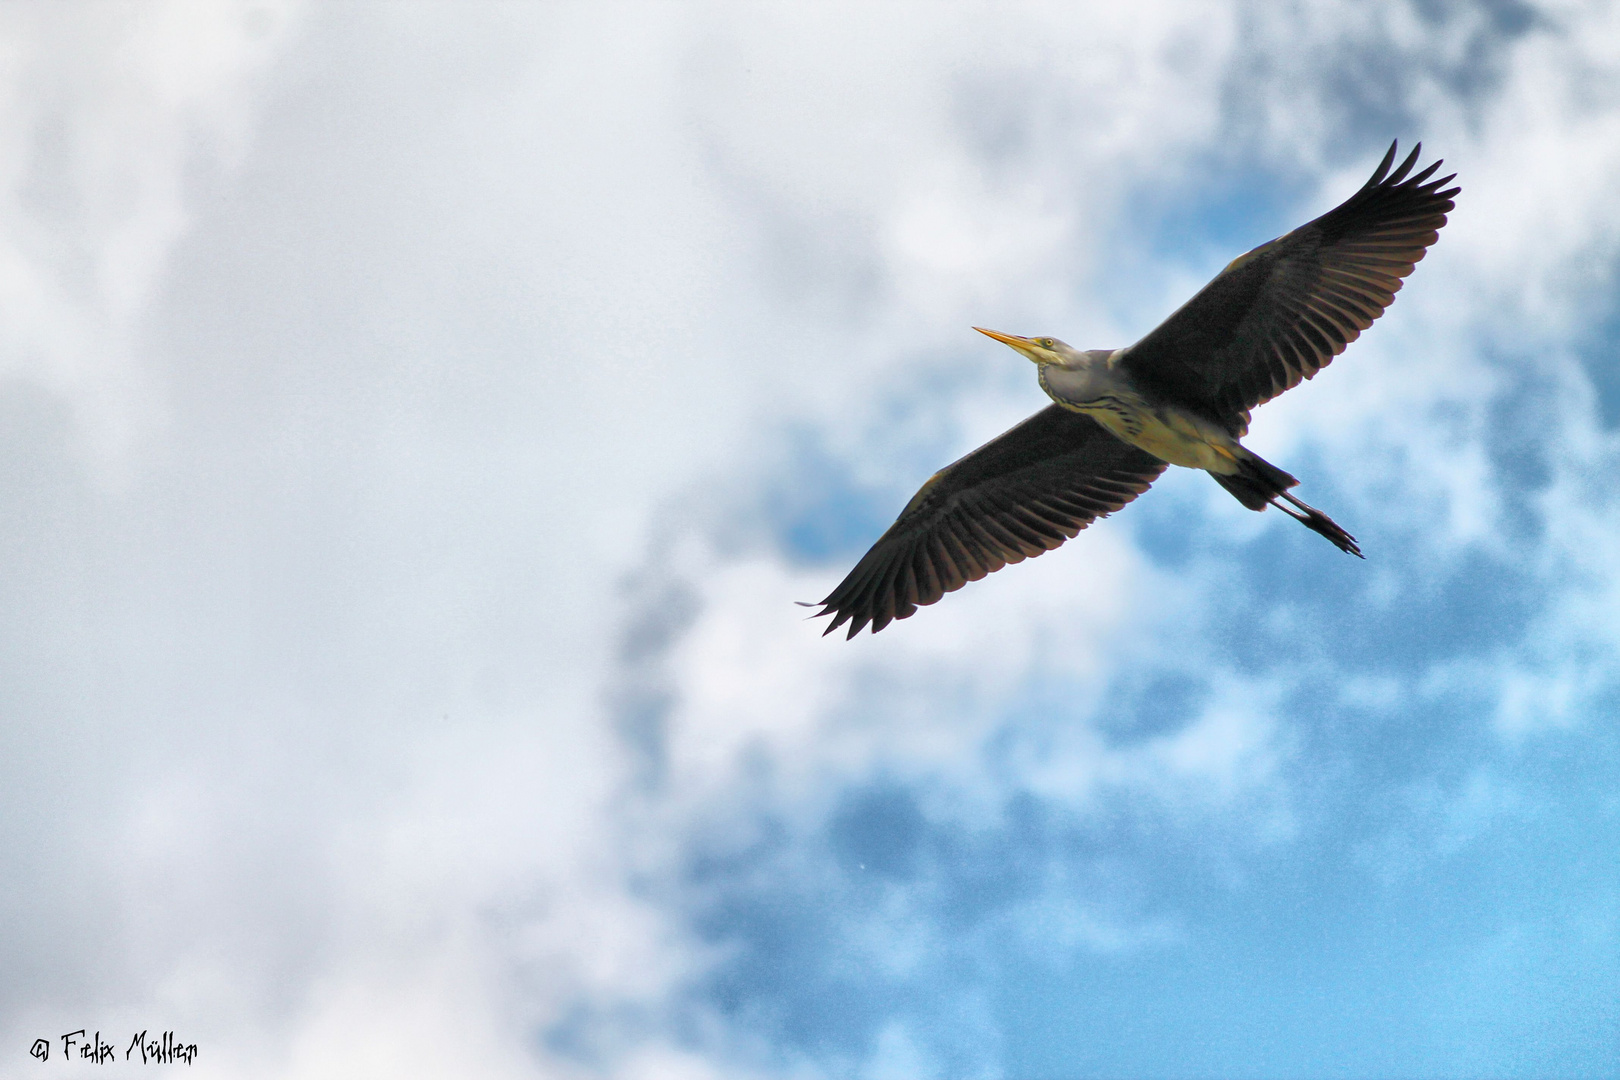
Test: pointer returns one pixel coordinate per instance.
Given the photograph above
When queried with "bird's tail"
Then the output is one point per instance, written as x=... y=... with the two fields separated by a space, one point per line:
x=1258 y=484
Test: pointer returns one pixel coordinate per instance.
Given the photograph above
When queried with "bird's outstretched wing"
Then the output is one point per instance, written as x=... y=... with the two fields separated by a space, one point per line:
x=1281 y=312
x=1022 y=493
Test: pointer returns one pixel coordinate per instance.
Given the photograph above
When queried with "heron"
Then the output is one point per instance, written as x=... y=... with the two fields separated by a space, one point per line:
x=1182 y=395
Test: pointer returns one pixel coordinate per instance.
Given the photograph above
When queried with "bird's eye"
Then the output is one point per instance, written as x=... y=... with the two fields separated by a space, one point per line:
x=1045 y=343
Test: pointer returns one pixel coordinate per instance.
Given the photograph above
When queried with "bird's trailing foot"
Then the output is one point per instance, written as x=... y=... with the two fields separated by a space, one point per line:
x=1316 y=521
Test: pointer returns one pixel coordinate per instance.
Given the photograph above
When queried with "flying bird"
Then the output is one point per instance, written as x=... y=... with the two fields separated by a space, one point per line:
x=1180 y=396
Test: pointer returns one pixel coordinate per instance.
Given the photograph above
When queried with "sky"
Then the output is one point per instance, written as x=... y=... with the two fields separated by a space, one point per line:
x=417 y=421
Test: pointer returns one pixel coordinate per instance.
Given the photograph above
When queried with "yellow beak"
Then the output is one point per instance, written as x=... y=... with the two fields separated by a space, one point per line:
x=1024 y=345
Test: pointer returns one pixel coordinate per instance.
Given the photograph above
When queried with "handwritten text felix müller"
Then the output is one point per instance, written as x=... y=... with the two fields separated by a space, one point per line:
x=162 y=1049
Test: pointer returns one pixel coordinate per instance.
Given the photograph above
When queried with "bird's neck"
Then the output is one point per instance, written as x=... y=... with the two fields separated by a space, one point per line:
x=1089 y=379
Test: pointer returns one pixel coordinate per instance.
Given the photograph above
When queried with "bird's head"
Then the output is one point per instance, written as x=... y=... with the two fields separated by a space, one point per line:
x=1042 y=350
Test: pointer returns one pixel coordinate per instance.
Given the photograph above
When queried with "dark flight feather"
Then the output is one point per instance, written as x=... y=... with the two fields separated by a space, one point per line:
x=1282 y=312
x=1019 y=495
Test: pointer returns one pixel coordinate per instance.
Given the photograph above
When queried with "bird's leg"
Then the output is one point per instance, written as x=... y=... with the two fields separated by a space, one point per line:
x=1318 y=522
